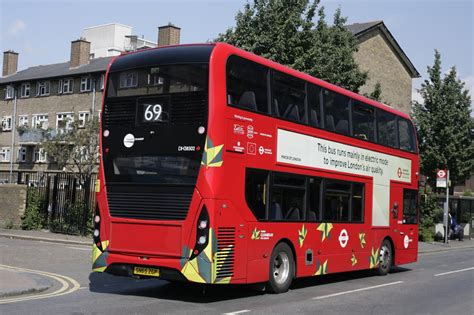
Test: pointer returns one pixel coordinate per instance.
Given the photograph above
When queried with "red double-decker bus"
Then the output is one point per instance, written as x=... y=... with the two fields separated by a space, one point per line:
x=219 y=166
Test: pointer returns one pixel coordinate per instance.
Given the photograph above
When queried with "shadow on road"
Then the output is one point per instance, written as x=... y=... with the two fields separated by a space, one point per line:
x=199 y=293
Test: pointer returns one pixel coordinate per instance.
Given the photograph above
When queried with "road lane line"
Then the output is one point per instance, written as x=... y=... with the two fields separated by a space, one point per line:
x=454 y=271
x=80 y=248
x=68 y=285
x=237 y=312
x=357 y=290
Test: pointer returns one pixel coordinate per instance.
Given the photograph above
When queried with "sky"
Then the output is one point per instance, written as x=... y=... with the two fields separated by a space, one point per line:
x=41 y=31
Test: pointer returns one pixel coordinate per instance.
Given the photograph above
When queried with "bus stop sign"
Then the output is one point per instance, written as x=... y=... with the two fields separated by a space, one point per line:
x=441 y=180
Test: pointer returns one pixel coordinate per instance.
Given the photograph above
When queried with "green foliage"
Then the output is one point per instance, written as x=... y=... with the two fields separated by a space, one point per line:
x=76 y=149
x=467 y=193
x=429 y=216
x=8 y=224
x=444 y=125
x=285 y=32
x=33 y=219
x=376 y=94
x=72 y=221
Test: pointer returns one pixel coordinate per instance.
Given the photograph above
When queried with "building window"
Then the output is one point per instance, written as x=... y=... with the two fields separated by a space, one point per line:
x=25 y=90
x=43 y=88
x=40 y=155
x=22 y=154
x=5 y=154
x=23 y=121
x=10 y=92
x=86 y=84
x=83 y=118
x=128 y=79
x=7 y=123
x=65 y=86
x=64 y=121
x=40 y=121
x=102 y=81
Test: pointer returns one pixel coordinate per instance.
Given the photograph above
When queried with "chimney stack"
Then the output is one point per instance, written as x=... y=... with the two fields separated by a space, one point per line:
x=168 y=35
x=80 y=52
x=10 y=62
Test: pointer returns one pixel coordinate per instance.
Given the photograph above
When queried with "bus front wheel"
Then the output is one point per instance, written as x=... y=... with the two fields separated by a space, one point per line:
x=282 y=269
x=386 y=258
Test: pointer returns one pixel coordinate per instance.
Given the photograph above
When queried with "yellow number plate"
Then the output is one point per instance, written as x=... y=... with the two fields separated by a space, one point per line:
x=146 y=271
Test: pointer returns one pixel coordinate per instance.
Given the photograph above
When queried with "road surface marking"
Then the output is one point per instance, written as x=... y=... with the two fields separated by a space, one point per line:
x=80 y=248
x=454 y=271
x=68 y=285
x=237 y=312
x=356 y=290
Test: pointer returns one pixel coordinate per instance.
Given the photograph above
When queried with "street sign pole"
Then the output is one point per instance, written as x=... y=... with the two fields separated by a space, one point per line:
x=446 y=209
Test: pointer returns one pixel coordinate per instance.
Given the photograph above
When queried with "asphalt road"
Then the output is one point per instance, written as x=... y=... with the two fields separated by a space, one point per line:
x=427 y=287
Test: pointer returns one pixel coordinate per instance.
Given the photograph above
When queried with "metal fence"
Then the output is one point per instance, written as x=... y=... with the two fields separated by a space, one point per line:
x=65 y=204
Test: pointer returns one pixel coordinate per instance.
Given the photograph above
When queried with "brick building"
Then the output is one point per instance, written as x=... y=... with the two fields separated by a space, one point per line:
x=386 y=62
x=48 y=97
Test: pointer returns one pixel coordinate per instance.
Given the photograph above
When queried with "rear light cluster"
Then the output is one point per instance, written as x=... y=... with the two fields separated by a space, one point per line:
x=202 y=233
x=96 y=232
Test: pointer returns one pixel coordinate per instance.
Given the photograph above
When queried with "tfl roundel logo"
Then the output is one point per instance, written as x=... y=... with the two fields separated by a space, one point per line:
x=343 y=238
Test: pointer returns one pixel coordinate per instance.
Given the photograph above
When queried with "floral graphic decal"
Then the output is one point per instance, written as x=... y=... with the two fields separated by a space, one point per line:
x=321 y=269
x=325 y=228
x=212 y=156
x=353 y=260
x=302 y=235
x=255 y=234
x=362 y=239
x=374 y=258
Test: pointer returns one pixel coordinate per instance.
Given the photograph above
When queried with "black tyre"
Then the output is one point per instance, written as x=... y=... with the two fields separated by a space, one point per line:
x=282 y=269
x=385 y=258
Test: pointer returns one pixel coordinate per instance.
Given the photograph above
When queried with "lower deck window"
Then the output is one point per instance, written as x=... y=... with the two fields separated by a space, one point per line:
x=288 y=197
x=410 y=206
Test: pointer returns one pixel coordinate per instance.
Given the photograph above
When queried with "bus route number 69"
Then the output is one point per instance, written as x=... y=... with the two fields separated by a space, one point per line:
x=153 y=112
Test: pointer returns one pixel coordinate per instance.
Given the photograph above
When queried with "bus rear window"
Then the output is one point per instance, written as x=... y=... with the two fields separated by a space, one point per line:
x=166 y=79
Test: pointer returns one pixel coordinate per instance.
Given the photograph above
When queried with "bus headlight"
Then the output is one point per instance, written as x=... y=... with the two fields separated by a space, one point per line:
x=96 y=233
x=202 y=239
x=202 y=224
x=201 y=130
x=96 y=219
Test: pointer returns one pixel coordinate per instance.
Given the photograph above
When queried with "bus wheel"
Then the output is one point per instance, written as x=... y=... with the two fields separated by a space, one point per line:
x=385 y=259
x=282 y=269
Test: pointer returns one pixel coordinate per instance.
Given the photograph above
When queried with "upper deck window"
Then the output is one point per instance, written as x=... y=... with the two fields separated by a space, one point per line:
x=406 y=135
x=247 y=85
x=336 y=112
x=289 y=97
x=363 y=121
x=387 y=129
x=166 y=79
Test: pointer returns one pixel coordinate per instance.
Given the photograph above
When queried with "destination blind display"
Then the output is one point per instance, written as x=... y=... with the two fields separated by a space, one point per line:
x=153 y=110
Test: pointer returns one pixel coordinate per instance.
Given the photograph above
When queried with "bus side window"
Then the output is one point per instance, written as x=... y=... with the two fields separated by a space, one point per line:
x=314 y=207
x=314 y=105
x=287 y=200
x=406 y=135
x=357 y=202
x=336 y=201
x=247 y=85
x=386 y=129
x=410 y=206
x=363 y=121
x=288 y=97
x=336 y=112
x=256 y=189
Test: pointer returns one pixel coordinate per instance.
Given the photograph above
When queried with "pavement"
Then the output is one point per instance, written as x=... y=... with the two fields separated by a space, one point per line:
x=15 y=282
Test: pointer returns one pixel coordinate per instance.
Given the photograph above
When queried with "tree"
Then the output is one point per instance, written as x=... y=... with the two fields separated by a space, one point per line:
x=285 y=32
x=376 y=94
x=76 y=148
x=444 y=125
